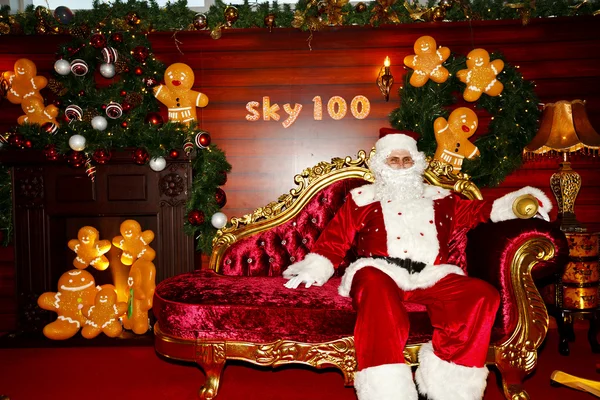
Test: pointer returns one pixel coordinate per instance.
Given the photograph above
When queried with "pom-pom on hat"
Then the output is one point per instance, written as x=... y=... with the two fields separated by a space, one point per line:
x=394 y=139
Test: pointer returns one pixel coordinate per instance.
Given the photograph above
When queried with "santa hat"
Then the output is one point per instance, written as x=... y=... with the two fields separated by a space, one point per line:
x=394 y=139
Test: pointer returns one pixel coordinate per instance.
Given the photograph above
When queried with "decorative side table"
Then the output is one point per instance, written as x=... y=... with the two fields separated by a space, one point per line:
x=576 y=290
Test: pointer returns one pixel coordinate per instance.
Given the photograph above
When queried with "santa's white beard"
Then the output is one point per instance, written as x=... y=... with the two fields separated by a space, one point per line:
x=398 y=184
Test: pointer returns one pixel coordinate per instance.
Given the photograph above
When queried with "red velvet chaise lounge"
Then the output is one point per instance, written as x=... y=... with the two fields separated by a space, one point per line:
x=240 y=310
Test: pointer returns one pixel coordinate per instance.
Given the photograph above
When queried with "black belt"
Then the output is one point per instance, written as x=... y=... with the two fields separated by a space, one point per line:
x=409 y=265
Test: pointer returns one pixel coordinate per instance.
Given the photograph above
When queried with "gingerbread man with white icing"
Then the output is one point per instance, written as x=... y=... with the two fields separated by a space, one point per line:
x=76 y=289
x=480 y=75
x=104 y=315
x=452 y=137
x=36 y=112
x=427 y=62
x=177 y=95
x=134 y=242
x=90 y=250
x=24 y=82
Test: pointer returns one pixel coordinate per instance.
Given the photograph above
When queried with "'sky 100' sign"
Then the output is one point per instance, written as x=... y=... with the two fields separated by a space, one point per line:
x=337 y=108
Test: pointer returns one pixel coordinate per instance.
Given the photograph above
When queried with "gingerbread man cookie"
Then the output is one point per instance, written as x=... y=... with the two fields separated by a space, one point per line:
x=427 y=62
x=177 y=95
x=134 y=242
x=480 y=75
x=36 y=112
x=90 y=250
x=76 y=289
x=104 y=315
x=24 y=82
x=452 y=137
x=141 y=283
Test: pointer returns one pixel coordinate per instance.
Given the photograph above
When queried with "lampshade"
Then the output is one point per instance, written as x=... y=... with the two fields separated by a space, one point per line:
x=565 y=128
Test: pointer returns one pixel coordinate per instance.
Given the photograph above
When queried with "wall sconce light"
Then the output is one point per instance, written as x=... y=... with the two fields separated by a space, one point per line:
x=385 y=80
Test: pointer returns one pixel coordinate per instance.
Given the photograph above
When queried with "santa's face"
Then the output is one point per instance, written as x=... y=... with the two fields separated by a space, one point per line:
x=399 y=159
x=398 y=175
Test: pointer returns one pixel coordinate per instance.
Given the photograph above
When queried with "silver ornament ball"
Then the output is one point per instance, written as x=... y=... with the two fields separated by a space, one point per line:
x=107 y=70
x=218 y=220
x=99 y=123
x=62 y=67
x=158 y=164
x=77 y=142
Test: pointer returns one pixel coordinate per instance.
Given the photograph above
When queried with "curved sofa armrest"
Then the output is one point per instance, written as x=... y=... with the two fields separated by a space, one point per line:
x=510 y=255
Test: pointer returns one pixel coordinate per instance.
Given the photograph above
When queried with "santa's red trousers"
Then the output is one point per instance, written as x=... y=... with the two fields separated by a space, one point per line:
x=461 y=310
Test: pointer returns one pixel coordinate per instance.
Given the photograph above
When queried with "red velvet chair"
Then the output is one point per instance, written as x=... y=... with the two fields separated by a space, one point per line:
x=240 y=310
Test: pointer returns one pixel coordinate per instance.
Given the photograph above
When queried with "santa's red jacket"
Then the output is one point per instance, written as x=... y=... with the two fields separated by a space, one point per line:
x=419 y=230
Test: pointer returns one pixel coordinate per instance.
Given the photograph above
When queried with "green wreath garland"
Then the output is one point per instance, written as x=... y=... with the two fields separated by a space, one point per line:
x=515 y=116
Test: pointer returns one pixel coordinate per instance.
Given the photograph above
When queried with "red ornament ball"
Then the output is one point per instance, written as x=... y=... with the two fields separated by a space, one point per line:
x=150 y=82
x=51 y=153
x=196 y=217
x=98 y=41
x=202 y=140
x=75 y=159
x=174 y=153
x=220 y=197
x=124 y=124
x=16 y=140
x=117 y=37
x=123 y=93
x=102 y=156
x=138 y=71
x=126 y=106
x=140 y=156
x=154 y=118
x=27 y=144
x=140 y=53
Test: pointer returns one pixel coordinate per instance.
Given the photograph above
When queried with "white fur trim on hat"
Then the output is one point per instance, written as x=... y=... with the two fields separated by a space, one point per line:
x=444 y=380
x=396 y=141
x=385 y=382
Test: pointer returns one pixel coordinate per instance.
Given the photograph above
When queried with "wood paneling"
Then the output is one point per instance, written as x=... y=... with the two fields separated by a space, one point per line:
x=561 y=55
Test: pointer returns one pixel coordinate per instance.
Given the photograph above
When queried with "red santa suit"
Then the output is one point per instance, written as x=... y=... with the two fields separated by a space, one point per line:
x=461 y=309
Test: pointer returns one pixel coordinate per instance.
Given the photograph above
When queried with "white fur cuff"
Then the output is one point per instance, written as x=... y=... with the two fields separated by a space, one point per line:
x=502 y=207
x=318 y=267
x=444 y=380
x=385 y=382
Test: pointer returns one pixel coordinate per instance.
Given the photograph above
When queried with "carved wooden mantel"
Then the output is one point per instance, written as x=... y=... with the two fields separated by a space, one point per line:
x=51 y=201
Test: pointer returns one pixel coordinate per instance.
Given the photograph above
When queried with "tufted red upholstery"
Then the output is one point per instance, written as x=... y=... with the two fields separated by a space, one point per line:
x=269 y=253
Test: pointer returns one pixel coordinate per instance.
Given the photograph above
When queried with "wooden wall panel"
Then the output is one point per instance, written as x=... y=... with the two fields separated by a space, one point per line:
x=560 y=55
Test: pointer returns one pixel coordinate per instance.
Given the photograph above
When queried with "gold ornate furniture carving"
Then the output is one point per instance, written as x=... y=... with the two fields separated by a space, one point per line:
x=239 y=309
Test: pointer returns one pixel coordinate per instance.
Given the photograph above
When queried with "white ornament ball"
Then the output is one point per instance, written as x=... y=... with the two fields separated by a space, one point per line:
x=158 y=164
x=62 y=67
x=107 y=70
x=77 y=142
x=99 y=123
x=218 y=220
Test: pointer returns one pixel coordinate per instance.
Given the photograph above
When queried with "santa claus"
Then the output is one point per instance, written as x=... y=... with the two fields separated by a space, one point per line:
x=401 y=227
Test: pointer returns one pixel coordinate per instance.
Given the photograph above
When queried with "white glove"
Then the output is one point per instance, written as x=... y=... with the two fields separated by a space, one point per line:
x=313 y=270
x=502 y=207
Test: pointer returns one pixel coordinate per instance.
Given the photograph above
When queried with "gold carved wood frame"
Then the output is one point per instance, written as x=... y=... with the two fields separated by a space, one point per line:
x=515 y=358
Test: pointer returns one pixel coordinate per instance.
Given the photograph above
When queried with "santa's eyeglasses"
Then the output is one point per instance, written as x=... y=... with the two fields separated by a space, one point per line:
x=401 y=162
